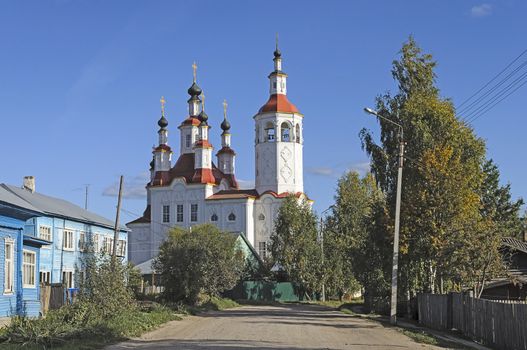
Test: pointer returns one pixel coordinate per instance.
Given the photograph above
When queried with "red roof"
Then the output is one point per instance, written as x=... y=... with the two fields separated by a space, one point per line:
x=226 y=149
x=234 y=194
x=191 y=121
x=145 y=219
x=184 y=168
x=203 y=144
x=278 y=103
x=203 y=176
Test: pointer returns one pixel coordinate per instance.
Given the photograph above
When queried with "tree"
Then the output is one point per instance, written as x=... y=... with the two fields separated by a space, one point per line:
x=357 y=250
x=294 y=244
x=441 y=221
x=497 y=204
x=203 y=260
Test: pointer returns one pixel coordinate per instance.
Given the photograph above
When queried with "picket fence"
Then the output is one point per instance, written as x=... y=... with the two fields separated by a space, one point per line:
x=500 y=324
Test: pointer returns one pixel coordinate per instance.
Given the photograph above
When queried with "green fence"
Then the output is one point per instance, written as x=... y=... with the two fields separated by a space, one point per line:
x=267 y=291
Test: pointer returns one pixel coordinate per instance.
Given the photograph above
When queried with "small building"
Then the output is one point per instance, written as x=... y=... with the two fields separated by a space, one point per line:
x=20 y=291
x=72 y=232
x=514 y=286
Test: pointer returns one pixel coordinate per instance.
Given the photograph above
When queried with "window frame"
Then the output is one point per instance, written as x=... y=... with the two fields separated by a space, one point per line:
x=231 y=217
x=264 y=249
x=47 y=277
x=31 y=267
x=214 y=217
x=50 y=233
x=194 y=208
x=11 y=261
x=64 y=240
x=180 y=213
x=81 y=244
x=165 y=213
x=71 y=280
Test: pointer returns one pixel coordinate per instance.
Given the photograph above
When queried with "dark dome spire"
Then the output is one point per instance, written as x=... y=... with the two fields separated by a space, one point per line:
x=277 y=53
x=203 y=116
x=162 y=122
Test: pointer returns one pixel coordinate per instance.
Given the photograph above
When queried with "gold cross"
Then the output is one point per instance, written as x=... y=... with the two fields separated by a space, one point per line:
x=276 y=41
x=194 y=68
x=225 y=108
x=203 y=100
x=163 y=101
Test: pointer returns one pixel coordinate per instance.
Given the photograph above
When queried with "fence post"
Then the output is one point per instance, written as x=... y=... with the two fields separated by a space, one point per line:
x=449 y=311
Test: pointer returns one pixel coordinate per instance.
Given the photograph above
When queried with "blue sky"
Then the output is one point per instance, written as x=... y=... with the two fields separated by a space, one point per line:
x=80 y=82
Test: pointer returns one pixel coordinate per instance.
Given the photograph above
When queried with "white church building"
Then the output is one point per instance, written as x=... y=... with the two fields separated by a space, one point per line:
x=196 y=190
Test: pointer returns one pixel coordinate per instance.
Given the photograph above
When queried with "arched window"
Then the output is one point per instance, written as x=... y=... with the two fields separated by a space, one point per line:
x=270 y=132
x=214 y=217
x=261 y=217
x=232 y=217
x=286 y=132
x=297 y=133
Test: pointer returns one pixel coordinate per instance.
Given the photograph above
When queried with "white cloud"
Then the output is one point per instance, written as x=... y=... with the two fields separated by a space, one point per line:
x=322 y=171
x=133 y=188
x=245 y=184
x=482 y=10
x=361 y=168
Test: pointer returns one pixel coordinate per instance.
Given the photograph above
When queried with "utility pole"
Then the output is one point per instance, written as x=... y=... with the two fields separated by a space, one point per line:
x=116 y=230
x=395 y=262
x=321 y=236
x=86 y=197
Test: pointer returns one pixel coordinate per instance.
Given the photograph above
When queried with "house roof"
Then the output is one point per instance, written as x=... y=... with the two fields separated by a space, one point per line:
x=515 y=244
x=16 y=206
x=146 y=267
x=58 y=207
x=145 y=219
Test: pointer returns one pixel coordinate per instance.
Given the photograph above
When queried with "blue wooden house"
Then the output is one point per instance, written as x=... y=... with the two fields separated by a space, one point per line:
x=20 y=253
x=72 y=231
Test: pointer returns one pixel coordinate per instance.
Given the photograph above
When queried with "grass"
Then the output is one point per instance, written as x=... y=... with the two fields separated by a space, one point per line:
x=44 y=334
x=209 y=304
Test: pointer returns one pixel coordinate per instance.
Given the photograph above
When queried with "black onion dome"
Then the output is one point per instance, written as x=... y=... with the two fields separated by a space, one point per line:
x=277 y=53
x=163 y=122
x=225 y=125
x=194 y=90
x=203 y=116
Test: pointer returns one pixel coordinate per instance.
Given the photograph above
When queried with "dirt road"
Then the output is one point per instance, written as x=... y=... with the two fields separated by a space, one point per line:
x=273 y=327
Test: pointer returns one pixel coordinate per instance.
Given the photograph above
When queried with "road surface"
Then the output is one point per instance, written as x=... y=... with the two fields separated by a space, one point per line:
x=273 y=327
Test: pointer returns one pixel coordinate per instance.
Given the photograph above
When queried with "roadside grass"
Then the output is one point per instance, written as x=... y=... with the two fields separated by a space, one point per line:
x=47 y=333
x=206 y=304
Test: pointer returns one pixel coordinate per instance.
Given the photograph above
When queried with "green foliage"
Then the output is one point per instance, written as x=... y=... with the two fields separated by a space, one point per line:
x=294 y=244
x=441 y=221
x=356 y=245
x=103 y=312
x=202 y=261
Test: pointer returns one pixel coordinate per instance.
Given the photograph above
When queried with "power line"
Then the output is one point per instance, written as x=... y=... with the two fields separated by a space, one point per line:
x=494 y=78
x=474 y=104
x=468 y=118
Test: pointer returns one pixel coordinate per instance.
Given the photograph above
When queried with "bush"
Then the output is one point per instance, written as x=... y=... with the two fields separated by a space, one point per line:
x=202 y=261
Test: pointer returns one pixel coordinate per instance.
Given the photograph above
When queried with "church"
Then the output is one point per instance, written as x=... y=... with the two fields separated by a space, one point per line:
x=197 y=190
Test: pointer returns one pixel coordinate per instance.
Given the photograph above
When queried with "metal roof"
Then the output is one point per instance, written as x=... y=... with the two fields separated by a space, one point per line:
x=54 y=206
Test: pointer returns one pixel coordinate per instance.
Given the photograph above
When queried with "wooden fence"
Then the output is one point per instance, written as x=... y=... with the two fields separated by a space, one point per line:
x=51 y=296
x=499 y=324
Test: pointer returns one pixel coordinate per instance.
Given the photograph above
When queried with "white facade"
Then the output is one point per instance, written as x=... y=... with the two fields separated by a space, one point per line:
x=195 y=191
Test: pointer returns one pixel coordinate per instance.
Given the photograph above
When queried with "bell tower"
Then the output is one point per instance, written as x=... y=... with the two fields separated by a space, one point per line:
x=279 y=139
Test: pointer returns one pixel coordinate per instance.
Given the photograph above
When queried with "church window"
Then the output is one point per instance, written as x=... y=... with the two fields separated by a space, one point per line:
x=232 y=217
x=262 y=249
x=179 y=213
x=166 y=213
x=187 y=140
x=298 y=133
x=261 y=217
x=214 y=217
x=193 y=212
x=269 y=130
x=257 y=136
x=274 y=85
x=286 y=132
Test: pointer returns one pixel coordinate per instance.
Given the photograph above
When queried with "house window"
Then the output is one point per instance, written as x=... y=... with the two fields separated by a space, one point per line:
x=67 y=279
x=188 y=138
x=29 y=269
x=166 y=213
x=82 y=241
x=9 y=271
x=214 y=217
x=262 y=249
x=95 y=242
x=193 y=212
x=45 y=277
x=44 y=232
x=179 y=213
x=67 y=240
x=286 y=132
x=121 y=247
x=232 y=217
x=107 y=245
